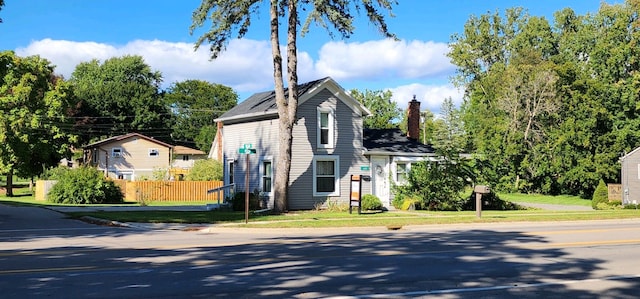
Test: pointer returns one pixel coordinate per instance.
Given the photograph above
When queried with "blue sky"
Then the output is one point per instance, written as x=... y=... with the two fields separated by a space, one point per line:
x=68 y=32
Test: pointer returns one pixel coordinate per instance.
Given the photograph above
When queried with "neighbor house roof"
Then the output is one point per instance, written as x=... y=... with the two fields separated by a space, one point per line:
x=263 y=104
x=393 y=142
x=125 y=136
x=183 y=150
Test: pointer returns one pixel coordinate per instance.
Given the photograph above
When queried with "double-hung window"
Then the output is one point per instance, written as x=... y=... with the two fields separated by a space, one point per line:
x=402 y=169
x=326 y=176
x=325 y=128
x=230 y=171
x=267 y=176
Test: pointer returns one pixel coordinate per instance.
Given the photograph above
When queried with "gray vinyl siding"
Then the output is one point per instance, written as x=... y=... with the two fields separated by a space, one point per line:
x=263 y=136
x=631 y=177
x=348 y=146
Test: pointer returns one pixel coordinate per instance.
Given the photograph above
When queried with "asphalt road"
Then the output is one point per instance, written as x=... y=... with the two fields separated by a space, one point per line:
x=44 y=255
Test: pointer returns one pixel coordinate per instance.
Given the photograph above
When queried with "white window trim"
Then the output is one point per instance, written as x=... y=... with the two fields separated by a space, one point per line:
x=119 y=152
x=330 y=121
x=157 y=151
x=395 y=171
x=335 y=159
x=262 y=172
x=228 y=171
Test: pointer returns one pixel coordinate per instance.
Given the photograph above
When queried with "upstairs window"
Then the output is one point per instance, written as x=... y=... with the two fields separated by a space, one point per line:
x=185 y=157
x=153 y=152
x=325 y=128
x=116 y=152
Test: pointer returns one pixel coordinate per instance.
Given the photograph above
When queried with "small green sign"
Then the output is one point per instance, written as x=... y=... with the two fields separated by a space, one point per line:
x=365 y=168
x=247 y=151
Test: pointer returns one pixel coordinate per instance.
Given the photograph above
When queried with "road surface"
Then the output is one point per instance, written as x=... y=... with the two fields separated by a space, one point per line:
x=61 y=258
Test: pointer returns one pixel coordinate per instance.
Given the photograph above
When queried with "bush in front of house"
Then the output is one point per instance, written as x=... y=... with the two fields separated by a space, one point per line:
x=84 y=185
x=437 y=185
x=600 y=195
x=205 y=170
x=490 y=201
x=370 y=202
x=238 y=201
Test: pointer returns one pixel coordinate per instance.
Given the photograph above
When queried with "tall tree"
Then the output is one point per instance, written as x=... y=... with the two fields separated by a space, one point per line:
x=1 y=5
x=386 y=113
x=551 y=107
x=448 y=129
x=233 y=17
x=33 y=107
x=120 y=96
x=195 y=104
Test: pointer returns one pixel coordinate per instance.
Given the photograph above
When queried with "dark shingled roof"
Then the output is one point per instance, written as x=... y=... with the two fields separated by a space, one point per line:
x=265 y=102
x=393 y=141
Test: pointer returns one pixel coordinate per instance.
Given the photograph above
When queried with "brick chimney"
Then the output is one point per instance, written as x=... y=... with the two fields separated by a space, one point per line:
x=413 y=119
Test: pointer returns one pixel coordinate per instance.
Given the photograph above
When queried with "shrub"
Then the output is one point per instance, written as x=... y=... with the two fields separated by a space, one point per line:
x=631 y=206
x=205 y=170
x=238 y=201
x=438 y=184
x=370 y=202
x=84 y=185
x=54 y=173
x=600 y=195
x=490 y=201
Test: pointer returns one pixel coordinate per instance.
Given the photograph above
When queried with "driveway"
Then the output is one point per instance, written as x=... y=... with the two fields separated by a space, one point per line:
x=555 y=207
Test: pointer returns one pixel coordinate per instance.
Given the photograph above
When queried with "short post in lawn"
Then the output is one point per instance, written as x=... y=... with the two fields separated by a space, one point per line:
x=356 y=193
x=479 y=190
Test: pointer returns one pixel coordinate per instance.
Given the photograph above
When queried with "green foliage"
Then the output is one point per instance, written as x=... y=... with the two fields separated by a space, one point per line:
x=205 y=170
x=119 y=96
x=438 y=185
x=84 y=185
x=371 y=202
x=239 y=200
x=410 y=203
x=55 y=173
x=600 y=195
x=195 y=104
x=33 y=113
x=385 y=113
x=490 y=201
x=550 y=106
x=332 y=205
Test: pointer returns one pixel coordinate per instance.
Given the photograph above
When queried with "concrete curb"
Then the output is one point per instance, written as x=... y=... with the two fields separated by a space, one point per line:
x=105 y=222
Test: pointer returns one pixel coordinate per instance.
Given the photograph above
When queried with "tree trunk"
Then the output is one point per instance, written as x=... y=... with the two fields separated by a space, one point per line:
x=283 y=165
x=10 y=182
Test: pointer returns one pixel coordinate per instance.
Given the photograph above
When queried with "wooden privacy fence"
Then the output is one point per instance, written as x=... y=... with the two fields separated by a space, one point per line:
x=169 y=191
x=146 y=191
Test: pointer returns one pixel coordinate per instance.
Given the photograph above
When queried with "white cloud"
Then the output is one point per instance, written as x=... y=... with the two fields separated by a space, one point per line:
x=383 y=59
x=246 y=65
x=430 y=96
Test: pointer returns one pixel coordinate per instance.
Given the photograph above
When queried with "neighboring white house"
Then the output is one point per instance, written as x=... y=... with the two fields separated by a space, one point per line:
x=329 y=145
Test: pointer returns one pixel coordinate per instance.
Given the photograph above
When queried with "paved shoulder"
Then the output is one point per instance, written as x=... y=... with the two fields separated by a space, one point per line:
x=555 y=207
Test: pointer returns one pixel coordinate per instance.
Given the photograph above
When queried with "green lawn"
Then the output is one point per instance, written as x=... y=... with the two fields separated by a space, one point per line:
x=546 y=199
x=344 y=219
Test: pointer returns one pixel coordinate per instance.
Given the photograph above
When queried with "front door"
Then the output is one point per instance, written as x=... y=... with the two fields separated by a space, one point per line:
x=380 y=178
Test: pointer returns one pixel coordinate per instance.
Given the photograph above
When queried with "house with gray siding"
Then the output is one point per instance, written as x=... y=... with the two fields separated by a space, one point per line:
x=329 y=145
x=631 y=177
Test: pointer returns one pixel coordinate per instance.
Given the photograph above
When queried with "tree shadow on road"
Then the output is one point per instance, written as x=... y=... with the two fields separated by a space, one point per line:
x=395 y=264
